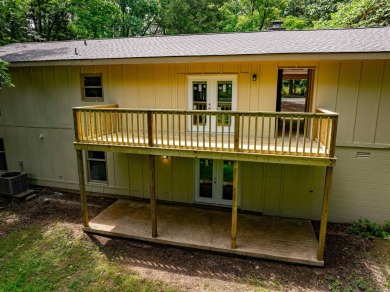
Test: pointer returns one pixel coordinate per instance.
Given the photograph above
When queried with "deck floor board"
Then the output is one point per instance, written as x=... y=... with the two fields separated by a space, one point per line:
x=276 y=238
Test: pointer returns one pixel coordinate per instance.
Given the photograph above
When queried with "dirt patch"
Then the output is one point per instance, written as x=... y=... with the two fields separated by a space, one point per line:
x=352 y=263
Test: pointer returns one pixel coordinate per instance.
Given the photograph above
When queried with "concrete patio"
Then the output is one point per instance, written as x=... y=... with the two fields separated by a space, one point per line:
x=275 y=238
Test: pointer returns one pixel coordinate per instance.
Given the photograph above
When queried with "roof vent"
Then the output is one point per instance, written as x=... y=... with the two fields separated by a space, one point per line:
x=276 y=25
x=363 y=154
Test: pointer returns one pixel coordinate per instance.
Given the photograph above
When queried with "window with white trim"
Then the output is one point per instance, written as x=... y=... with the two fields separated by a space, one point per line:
x=97 y=166
x=3 y=160
x=92 y=87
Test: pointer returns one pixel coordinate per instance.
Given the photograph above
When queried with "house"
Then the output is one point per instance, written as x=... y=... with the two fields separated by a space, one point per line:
x=198 y=120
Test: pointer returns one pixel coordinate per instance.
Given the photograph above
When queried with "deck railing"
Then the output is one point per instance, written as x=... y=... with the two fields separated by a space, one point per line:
x=298 y=134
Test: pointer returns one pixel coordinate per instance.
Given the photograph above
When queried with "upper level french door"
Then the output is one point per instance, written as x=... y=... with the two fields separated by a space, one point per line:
x=212 y=93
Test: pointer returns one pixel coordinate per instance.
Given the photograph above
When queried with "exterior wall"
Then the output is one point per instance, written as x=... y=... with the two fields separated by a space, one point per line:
x=37 y=126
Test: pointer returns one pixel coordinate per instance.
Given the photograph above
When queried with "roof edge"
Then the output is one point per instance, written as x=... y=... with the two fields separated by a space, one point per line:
x=213 y=59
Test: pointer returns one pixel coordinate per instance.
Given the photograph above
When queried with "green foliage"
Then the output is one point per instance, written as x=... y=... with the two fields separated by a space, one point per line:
x=136 y=17
x=50 y=19
x=5 y=79
x=292 y=22
x=13 y=21
x=250 y=15
x=309 y=11
x=368 y=229
x=358 y=13
x=94 y=19
x=190 y=16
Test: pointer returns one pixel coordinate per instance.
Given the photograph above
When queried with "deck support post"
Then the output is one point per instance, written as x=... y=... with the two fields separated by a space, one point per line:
x=153 y=197
x=325 y=212
x=83 y=195
x=234 y=205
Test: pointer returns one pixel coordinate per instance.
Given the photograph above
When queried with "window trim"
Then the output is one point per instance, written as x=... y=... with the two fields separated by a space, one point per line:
x=88 y=159
x=5 y=156
x=83 y=87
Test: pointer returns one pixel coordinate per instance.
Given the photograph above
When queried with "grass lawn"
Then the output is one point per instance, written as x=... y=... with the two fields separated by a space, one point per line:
x=36 y=258
x=42 y=248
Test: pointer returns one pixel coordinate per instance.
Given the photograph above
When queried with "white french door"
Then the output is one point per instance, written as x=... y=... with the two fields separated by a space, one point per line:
x=214 y=181
x=212 y=93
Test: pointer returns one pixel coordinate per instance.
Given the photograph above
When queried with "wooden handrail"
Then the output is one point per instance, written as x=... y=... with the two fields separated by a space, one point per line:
x=297 y=134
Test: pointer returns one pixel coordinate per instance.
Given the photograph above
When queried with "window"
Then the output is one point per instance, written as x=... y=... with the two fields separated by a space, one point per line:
x=97 y=166
x=3 y=161
x=92 y=87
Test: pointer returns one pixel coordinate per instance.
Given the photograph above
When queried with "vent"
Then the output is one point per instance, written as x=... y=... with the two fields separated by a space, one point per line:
x=363 y=154
x=12 y=183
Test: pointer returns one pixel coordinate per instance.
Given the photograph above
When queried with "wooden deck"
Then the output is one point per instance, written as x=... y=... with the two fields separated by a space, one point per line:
x=250 y=136
x=275 y=238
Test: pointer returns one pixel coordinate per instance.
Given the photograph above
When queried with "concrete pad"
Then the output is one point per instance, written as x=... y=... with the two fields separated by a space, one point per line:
x=276 y=238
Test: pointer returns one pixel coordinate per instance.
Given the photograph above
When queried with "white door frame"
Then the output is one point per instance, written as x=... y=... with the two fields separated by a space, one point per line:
x=212 y=91
x=217 y=185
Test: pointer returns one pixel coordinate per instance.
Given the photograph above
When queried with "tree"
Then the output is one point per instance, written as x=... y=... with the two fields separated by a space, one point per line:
x=189 y=16
x=250 y=15
x=94 y=19
x=5 y=79
x=358 y=13
x=13 y=21
x=136 y=17
x=50 y=19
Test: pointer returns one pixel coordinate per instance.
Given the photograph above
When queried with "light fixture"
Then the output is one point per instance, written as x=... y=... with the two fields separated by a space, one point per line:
x=165 y=156
x=254 y=77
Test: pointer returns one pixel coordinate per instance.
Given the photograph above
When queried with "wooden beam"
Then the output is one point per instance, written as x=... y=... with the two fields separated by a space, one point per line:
x=222 y=155
x=324 y=216
x=234 y=205
x=83 y=195
x=153 y=196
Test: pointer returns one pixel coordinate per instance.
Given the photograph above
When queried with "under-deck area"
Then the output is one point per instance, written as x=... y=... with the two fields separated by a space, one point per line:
x=270 y=137
x=276 y=238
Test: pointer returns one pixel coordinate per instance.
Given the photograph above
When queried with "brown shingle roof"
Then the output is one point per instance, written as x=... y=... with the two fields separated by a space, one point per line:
x=363 y=40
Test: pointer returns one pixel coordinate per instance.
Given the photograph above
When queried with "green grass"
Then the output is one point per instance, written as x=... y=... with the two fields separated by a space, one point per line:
x=38 y=259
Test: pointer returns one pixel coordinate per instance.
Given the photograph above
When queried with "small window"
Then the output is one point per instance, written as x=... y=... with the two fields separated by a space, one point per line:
x=92 y=87
x=3 y=161
x=97 y=166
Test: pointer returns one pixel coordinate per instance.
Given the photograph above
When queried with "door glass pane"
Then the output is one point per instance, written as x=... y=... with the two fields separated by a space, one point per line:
x=199 y=93
x=206 y=178
x=224 y=101
x=227 y=180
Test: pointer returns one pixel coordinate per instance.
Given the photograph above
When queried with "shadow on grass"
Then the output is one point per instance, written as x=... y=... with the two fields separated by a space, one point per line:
x=346 y=265
x=52 y=257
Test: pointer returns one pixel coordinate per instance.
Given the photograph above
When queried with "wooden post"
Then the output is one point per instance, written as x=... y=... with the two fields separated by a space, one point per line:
x=83 y=195
x=236 y=132
x=234 y=205
x=150 y=129
x=332 y=147
x=153 y=197
x=324 y=216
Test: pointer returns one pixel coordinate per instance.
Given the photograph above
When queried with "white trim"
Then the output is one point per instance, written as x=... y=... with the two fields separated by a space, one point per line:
x=212 y=59
x=217 y=186
x=212 y=81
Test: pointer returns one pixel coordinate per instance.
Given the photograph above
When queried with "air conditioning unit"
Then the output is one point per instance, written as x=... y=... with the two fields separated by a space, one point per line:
x=12 y=183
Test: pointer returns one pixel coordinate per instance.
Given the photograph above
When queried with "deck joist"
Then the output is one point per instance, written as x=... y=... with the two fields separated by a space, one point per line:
x=207 y=154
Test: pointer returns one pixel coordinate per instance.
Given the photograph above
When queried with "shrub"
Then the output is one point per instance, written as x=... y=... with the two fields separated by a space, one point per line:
x=368 y=229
